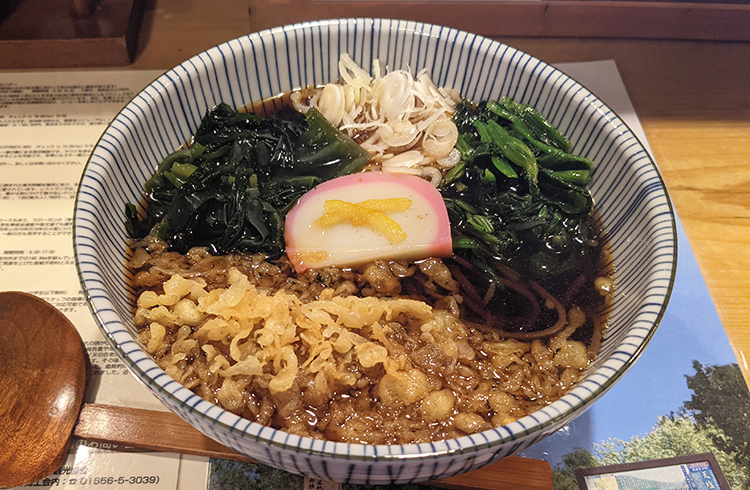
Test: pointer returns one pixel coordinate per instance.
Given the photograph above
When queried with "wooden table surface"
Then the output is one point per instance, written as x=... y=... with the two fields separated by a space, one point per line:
x=692 y=98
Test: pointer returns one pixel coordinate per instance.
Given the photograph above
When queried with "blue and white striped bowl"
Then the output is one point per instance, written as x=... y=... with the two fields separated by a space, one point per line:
x=627 y=188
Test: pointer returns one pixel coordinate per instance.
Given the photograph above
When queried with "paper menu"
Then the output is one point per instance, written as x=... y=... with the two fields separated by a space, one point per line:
x=49 y=123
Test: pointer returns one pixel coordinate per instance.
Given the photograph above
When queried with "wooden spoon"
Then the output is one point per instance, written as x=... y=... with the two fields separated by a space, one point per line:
x=42 y=380
x=44 y=370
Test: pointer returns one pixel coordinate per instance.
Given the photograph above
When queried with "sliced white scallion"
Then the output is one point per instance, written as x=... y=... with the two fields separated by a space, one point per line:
x=396 y=114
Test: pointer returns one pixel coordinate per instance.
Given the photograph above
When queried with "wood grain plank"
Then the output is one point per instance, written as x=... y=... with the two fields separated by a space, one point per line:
x=570 y=18
x=72 y=33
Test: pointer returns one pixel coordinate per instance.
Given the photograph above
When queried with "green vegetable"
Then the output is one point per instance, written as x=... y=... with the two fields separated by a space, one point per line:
x=454 y=173
x=552 y=146
x=524 y=115
x=518 y=200
x=325 y=151
x=514 y=149
x=187 y=156
x=230 y=190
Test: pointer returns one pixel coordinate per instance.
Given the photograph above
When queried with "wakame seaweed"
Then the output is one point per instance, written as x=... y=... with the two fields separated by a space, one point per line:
x=230 y=189
x=518 y=198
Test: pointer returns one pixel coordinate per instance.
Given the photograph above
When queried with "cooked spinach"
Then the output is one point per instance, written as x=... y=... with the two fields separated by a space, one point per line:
x=230 y=189
x=518 y=197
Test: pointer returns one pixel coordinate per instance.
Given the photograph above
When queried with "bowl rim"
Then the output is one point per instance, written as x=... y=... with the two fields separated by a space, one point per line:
x=226 y=420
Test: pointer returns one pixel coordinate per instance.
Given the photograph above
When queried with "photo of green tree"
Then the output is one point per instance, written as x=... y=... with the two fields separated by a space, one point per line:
x=699 y=425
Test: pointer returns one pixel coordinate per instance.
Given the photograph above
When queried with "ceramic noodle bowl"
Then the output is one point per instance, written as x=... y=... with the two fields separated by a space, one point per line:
x=627 y=189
